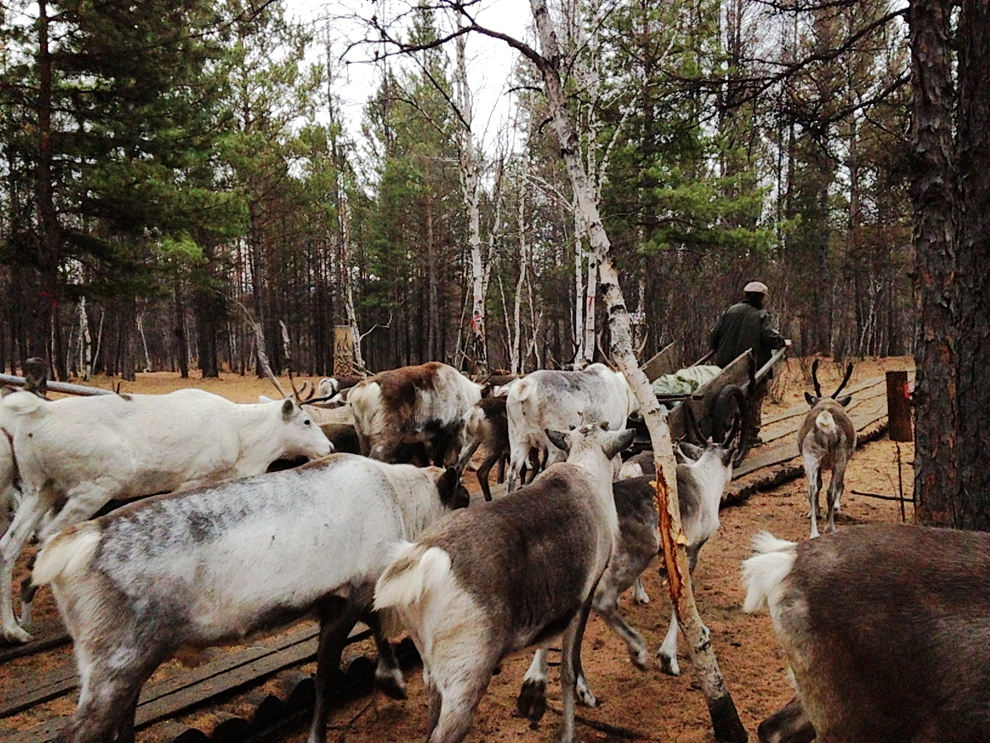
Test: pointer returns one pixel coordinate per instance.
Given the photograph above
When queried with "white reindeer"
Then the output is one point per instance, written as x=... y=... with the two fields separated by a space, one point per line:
x=87 y=451
x=561 y=400
x=220 y=563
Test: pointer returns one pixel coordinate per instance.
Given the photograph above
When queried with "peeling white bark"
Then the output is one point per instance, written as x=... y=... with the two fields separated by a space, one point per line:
x=469 y=187
x=724 y=716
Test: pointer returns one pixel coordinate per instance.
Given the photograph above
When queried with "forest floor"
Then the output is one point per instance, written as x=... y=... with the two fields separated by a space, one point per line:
x=648 y=705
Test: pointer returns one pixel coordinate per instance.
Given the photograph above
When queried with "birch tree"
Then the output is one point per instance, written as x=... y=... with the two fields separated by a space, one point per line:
x=725 y=719
x=585 y=50
x=469 y=185
x=550 y=63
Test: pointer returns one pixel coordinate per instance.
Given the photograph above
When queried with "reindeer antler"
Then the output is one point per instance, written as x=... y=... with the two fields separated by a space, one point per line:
x=692 y=424
x=295 y=391
x=642 y=346
x=849 y=371
x=814 y=378
x=608 y=357
x=267 y=368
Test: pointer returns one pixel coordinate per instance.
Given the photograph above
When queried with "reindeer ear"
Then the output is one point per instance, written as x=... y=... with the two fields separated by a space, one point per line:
x=812 y=401
x=558 y=439
x=727 y=455
x=619 y=441
x=689 y=451
x=845 y=400
x=287 y=408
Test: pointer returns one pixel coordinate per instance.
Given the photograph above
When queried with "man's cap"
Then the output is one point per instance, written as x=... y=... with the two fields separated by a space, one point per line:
x=755 y=287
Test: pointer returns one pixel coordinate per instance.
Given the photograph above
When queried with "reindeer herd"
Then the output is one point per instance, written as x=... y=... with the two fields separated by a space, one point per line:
x=377 y=528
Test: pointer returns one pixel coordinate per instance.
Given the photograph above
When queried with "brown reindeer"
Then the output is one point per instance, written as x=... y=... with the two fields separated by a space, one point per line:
x=886 y=629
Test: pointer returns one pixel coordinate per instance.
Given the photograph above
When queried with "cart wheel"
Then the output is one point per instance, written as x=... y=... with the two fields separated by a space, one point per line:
x=728 y=413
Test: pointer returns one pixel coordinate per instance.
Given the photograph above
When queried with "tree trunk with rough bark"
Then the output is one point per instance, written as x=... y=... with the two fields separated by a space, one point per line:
x=950 y=192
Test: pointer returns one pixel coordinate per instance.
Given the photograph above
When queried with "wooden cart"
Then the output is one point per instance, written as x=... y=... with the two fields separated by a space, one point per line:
x=717 y=404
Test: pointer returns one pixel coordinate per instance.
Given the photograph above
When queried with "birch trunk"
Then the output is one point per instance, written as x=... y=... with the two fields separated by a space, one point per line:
x=85 y=342
x=144 y=342
x=469 y=186
x=515 y=352
x=578 y=290
x=589 y=309
x=344 y=212
x=725 y=719
x=344 y=276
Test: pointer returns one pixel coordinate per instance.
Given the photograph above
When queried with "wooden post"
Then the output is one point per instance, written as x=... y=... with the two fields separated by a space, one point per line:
x=898 y=407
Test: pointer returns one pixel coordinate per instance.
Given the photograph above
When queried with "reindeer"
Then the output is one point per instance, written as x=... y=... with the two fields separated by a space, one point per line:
x=885 y=628
x=220 y=563
x=506 y=575
x=83 y=452
x=826 y=440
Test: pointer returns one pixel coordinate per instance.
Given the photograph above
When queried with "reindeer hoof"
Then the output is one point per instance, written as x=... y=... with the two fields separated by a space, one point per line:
x=15 y=635
x=391 y=685
x=584 y=694
x=26 y=619
x=669 y=664
x=641 y=659
x=532 y=700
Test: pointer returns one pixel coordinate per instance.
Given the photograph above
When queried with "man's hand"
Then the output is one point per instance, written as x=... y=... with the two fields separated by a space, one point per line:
x=788 y=343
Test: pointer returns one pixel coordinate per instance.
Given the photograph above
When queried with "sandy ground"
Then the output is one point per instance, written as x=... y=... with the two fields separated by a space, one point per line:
x=648 y=705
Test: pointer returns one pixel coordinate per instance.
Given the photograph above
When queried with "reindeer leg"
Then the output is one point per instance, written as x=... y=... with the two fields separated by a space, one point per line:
x=532 y=700
x=388 y=672
x=813 y=471
x=835 y=492
x=484 y=470
x=28 y=515
x=337 y=619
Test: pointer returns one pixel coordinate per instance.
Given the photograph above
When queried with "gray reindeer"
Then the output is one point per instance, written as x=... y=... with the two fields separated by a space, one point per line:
x=826 y=441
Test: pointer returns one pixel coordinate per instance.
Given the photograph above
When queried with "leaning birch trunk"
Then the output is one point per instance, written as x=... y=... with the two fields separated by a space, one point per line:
x=725 y=719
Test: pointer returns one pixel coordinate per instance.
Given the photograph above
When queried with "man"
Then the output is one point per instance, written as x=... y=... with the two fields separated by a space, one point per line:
x=745 y=326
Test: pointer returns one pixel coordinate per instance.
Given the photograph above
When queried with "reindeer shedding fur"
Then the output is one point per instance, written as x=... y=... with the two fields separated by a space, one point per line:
x=826 y=441
x=220 y=563
x=506 y=575
x=886 y=629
